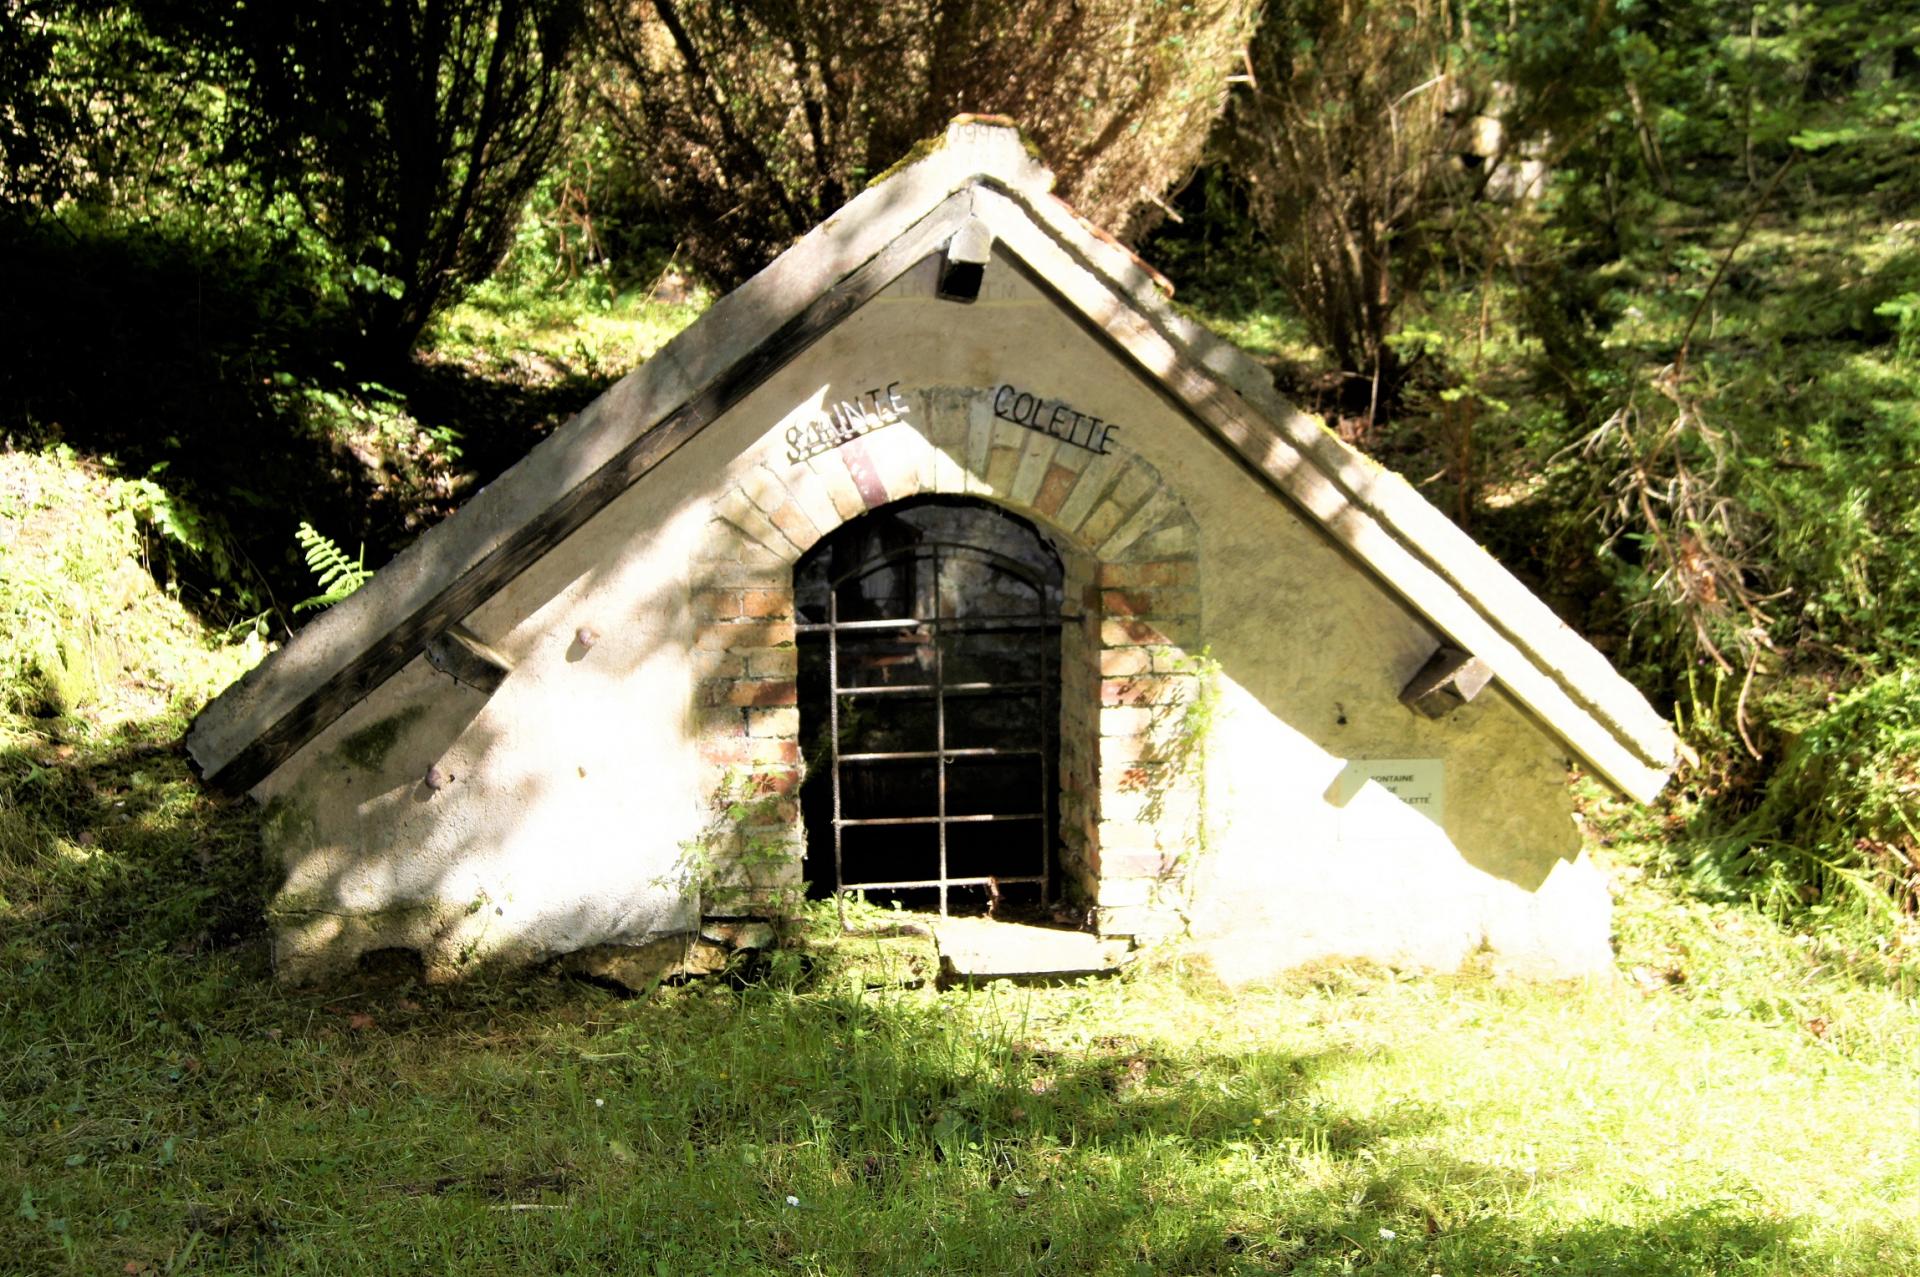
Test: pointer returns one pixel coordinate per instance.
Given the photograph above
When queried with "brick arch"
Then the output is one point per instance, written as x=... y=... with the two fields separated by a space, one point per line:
x=1128 y=545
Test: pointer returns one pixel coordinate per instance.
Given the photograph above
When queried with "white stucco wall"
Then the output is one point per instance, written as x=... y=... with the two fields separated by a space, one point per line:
x=574 y=791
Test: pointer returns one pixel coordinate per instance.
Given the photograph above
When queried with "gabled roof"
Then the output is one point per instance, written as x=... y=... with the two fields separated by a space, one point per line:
x=982 y=170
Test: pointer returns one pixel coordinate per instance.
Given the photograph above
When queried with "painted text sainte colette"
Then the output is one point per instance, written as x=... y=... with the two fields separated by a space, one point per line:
x=1051 y=417
x=845 y=421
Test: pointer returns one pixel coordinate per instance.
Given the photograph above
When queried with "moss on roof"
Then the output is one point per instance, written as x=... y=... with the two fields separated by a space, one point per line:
x=928 y=145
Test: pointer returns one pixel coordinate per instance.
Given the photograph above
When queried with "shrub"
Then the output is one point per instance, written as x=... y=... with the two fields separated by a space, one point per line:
x=410 y=134
x=757 y=121
x=1839 y=823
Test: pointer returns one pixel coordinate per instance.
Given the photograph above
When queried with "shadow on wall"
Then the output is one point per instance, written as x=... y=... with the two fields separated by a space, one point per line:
x=453 y=737
x=1517 y=826
x=393 y=835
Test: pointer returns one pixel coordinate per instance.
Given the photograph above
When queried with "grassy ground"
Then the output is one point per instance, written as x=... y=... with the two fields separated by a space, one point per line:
x=1738 y=1100
x=581 y=328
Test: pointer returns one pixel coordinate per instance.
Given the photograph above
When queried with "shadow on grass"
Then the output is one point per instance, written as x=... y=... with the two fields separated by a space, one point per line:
x=499 y=417
x=224 y=368
x=112 y=847
x=167 y=1105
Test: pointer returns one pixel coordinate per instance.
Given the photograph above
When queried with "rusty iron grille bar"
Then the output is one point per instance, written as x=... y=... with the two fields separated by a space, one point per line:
x=1038 y=684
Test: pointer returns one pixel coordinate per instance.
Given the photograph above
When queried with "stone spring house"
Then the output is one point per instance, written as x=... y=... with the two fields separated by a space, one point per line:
x=1036 y=584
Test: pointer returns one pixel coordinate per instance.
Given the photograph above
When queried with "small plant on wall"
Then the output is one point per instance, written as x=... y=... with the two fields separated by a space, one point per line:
x=1177 y=735
x=745 y=856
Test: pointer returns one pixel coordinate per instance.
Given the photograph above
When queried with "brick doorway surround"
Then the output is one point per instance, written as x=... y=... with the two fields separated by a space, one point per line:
x=1129 y=803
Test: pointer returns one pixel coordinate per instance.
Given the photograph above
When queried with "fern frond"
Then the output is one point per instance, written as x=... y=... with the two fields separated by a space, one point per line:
x=334 y=572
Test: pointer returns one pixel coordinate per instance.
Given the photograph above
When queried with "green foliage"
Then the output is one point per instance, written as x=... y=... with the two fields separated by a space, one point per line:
x=1677 y=393
x=153 y=339
x=119 y=119
x=1384 y=146
x=336 y=575
x=175 y=307
x=745 y=856
x=1348 y=1120
x=1754 y=475
x=1776 y=521
x=75 y=604
x=1839 y=825
x=409 y=135
x=39 y=124
x=1341 y=137
x=1178 y=734
x=747 y=125
x=97 y=668
x=1216 y=252
x=1904 y=311
x=581 y=328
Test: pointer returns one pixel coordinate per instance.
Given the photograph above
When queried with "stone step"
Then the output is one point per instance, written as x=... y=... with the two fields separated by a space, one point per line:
x=982 y=949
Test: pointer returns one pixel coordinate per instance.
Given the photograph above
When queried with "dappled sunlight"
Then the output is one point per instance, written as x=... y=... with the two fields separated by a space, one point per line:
x=555 y=825
x=1346 y=1118
x=466 y=929
x=687 y=694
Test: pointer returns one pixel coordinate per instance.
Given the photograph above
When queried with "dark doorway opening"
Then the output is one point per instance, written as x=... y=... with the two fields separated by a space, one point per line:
x=929 y=636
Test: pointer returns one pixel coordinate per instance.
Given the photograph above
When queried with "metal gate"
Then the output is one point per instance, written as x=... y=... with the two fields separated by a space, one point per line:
x=941 y=696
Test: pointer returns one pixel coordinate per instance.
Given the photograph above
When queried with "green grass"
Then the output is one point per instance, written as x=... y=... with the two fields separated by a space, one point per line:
x=166 y=1107
x=1739 y=1100
x=552 y=330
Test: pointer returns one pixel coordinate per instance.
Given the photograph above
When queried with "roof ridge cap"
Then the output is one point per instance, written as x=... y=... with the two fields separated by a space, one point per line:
x=995 y=146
